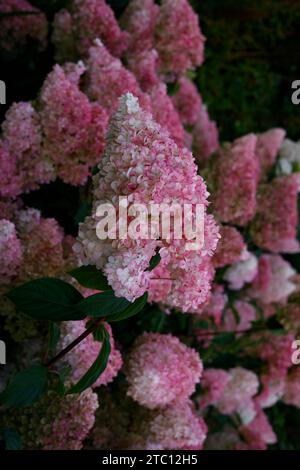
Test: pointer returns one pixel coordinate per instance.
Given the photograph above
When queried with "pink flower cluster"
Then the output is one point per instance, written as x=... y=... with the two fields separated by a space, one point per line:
x=143 y=163
x=274 y=280
x=74 y=129
x=10 y=251
x=22 y=165
x=241 y=385
x=231 y=247
x=274 y=226
x=176 y=428
x=56 y=423
x=17 y=30
x=234 y=181
x=75 y=30
x=108 y=79
x=161 y=370
x=178 y=39
x=121 y=98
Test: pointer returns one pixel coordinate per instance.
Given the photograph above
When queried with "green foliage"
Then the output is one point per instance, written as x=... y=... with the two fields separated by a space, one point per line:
x=91 y=277
x=54 y=300
x=26 y=387
x=102 y=305
x=130 y=310
x=155 y=260
x=47 y=299
x=54 y=335
x=250 y=63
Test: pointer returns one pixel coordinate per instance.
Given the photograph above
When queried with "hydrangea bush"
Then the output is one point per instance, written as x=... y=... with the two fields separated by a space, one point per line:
x=140 y=344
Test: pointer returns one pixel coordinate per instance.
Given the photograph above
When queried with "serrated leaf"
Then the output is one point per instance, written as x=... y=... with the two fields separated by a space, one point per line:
x=47 y=299
x=131 y=310
x=97 y=367
x=102 y=305
x=91 y=277
x=26 y=387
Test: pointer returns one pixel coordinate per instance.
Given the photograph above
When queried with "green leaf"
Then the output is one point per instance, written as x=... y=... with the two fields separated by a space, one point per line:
x=59 y=379
x=203 y=324
x=47 y=299
x=155 y=260
x=91 y=277
x=11 y=438
x=97 y=333
x=224 y=338
x=97 y=367
x=102 y=305
x=83 y=211
x=26 y=387
x=131 y=310
x=54 y=335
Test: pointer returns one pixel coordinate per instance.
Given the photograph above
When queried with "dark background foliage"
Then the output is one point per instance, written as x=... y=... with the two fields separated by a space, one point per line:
x=252 y=57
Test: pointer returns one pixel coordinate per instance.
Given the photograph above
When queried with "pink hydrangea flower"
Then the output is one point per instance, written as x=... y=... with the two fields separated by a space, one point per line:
x=63 y=36
x=215 y=304
x=273 y=282
x=17 y=30
x=42 y=245
x=259 y=432
x=10 y=180
x=234 y=181
x=183 y=279
x=83 y=356
x=144 y=66
x=240 y=388
x=9 y=207
x=74 y=129
x=274 y=227
x=56 y=423
x=176 y=427
x=187 y=101
x=108 y=79
x=139 y=20
x=10 y=251
x=289 y=157
x=165 y=114
x=161 y=370
x=292 y=388
x=267 y=148
x=231 y=247
x=276 y=352
x=205 y=136
x=241 y=272
x=272 y=390
x=239 y=317
x=75 y=31
x=213 y=385
x=178 y=38
x=23 y=137
x=144 y=164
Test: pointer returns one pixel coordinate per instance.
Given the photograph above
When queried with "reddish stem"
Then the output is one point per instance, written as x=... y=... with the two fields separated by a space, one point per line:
x=74 y=343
